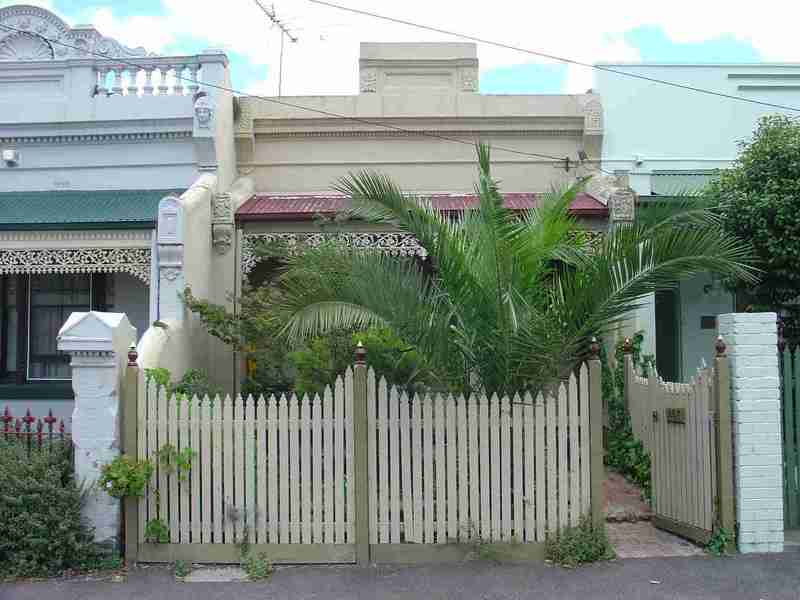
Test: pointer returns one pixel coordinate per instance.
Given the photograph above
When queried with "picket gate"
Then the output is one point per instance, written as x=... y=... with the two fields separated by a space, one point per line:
x=686 y=430
x=440 y=473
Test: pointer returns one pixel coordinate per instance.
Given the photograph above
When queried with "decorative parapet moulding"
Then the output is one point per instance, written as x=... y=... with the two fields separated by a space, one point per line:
x=37 y=26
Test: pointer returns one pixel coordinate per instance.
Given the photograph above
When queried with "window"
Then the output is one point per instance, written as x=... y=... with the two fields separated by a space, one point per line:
x=34 y=307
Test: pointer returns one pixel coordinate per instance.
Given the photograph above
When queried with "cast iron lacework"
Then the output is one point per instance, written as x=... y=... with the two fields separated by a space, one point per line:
x=135 y=261
x=394 y=244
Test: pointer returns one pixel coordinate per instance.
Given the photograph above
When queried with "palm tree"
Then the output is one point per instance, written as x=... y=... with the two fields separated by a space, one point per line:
x=512 y=299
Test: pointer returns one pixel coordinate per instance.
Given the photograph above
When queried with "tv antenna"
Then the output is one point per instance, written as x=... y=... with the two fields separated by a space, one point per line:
x=285 y=32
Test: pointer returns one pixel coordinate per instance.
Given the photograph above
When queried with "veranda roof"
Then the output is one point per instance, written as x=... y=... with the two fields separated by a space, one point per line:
x=80 y=209
x=301 y=207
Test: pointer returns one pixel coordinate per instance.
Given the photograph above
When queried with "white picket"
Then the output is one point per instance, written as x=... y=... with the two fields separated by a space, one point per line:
x=173 y=410
x=154 y=425
x=428 y=479
x=394 y=469
x=283 y=473
x=205 y=469
x=463 y=472
x=383 y=462
x=518 y=458
x=305 y=470
x=250 y=467
x=475 y=488
x=406 y=454
x=505 y=469
x=141 y=445
x=416 y=466
x=541 y=475
x=574 y=458
x=452 y=470
x=239 y=472
x=583 y=390
x=530 y=468
x=339 y=478
x=261 y=470
x=485 y=467
x=228 y=507
x=372 y=463
x=195 y=470
x=316 y=467
x=495 y=467
x=551 y=407
x=440 y=472
x=295 y=502
x=218 y=510
x=347 y=433
x=274 y=528
x=563 y=462
x=327 y=471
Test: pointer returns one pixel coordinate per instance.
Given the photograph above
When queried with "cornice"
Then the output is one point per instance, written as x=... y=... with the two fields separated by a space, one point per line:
x=98 y=138
x=393 y=133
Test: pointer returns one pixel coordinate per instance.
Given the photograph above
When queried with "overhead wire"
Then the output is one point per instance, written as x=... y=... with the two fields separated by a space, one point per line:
x=553 y=57
x=126 y=61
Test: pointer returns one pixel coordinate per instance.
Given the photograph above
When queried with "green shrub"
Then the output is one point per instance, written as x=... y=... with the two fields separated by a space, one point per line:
x=584 y=543
x=156 y=532
x=42 y=532
x=624 y=453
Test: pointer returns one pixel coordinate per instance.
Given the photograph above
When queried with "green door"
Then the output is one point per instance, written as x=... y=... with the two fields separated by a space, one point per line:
x=790 y=411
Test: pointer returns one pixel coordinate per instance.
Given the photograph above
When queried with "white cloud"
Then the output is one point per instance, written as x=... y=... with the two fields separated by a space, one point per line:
x=325 y=60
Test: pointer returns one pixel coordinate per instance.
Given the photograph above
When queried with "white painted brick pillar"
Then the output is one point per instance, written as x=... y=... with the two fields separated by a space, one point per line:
x=97 y=344
x=752 y=340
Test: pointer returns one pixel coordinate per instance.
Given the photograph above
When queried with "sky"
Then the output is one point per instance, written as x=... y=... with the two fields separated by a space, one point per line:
x=324 y=60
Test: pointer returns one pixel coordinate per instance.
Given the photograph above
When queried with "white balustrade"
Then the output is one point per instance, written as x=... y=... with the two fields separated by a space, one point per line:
x=177 y=76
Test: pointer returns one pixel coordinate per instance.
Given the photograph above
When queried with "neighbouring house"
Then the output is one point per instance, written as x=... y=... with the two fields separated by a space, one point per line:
x=670 y=140
x=415 y=103
x=94 y=136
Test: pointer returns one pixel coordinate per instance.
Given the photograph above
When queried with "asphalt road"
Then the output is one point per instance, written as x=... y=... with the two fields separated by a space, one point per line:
x=750 y=577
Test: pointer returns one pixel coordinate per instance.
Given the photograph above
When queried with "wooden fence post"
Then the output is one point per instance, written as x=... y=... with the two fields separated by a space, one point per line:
x=129 y=397
x=726 y=516
x=598 y=474
x=360 y=489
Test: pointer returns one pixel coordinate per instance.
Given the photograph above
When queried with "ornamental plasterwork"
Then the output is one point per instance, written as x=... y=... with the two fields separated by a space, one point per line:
x=368 y=80
x=592 y=114
x=135 y=261
x=394 y=244
x=39 y=23
x=469 y=80
x=97 y=138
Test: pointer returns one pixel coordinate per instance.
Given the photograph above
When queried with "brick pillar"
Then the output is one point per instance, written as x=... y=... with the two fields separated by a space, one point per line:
x=97 y=344
x=758 y=452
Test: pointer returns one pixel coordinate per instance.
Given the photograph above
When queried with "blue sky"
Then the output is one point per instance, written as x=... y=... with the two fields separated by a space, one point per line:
x=325 y=59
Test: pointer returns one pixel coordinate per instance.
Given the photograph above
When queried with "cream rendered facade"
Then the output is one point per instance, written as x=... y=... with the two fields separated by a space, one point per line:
x=416 y=117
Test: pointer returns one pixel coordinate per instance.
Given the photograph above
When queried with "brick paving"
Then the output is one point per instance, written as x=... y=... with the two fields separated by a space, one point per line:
x=629 y=528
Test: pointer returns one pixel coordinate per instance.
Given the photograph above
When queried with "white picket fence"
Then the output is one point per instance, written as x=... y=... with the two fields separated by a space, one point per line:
x=441 y=468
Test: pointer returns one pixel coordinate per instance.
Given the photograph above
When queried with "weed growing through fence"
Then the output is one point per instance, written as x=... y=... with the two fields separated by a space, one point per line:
x=177 y=461
x=719 y=542
x=574 y=546
x=181 y=569
x=125 y=476
x=257 y=566
x=156 y=532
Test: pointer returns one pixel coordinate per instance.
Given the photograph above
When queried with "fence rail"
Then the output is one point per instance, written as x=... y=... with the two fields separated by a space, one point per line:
x=34 y=432
x=366 y=467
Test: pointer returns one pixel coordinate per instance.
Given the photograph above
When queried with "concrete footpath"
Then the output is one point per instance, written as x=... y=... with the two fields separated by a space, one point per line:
x=750 y=577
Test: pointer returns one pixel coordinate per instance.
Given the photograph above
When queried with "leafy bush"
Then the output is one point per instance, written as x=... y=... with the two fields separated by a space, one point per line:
x=721 y=542
x=125 y=476
x=584 y=543
x=156 y=532
x=624 y=453
x=42 y=532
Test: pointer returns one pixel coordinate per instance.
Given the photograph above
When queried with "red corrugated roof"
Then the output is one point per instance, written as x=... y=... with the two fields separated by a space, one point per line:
x=294 y=207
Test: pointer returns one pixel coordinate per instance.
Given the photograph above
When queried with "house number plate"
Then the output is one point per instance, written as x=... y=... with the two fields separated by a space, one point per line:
x=676 y=415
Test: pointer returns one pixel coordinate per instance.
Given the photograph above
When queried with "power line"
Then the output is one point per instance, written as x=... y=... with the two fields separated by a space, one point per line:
x=560 y=159
x=570 y=61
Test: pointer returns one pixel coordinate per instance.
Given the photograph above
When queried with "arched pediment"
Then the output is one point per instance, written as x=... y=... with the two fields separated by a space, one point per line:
x=34 y=26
